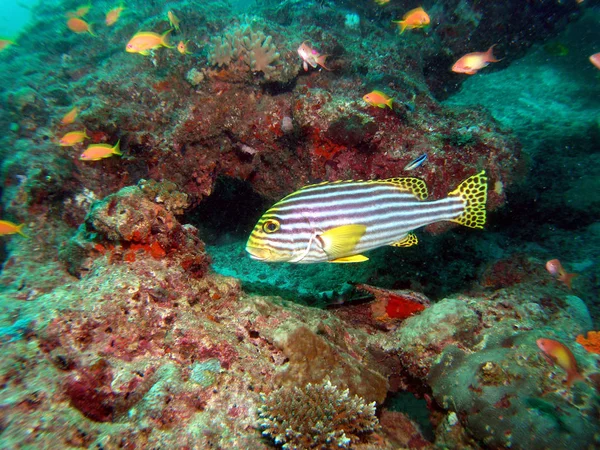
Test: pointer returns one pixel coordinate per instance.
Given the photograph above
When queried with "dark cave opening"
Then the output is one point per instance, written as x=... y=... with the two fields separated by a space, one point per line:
x=229 y=213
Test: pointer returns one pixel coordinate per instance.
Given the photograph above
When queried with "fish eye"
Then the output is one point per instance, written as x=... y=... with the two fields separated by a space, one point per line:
x=271 y=226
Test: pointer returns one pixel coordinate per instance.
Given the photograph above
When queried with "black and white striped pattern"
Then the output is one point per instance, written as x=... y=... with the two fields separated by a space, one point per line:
x=387 y=211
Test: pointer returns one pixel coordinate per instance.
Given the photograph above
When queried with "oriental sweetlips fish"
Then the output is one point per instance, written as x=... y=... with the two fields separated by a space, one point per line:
x=338 y=221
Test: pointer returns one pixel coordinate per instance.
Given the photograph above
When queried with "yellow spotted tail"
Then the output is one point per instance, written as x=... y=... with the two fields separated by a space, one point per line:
x=473 y=192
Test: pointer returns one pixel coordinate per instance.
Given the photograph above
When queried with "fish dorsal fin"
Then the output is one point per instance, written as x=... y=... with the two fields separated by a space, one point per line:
x=407 y=241
x=415 y=186
x=383 y=94
x=341 y=241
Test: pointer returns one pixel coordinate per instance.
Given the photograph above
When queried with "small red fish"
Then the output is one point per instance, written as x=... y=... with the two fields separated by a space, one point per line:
x=311 y=57
x=77 y=25
x=558 y=353
x=595 y=60
x=472 y=62
x=555 y=268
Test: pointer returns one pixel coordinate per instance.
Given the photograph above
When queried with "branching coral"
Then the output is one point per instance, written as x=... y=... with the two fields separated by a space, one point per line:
x=316 y=416
x=245 y=49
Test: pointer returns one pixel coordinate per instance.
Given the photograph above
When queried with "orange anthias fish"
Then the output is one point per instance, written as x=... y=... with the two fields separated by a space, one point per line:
x=72 y=138
x=7 y=227
x=96 y=152
x=379 y=99
x=5 y=43
x=182 y=48
x=113 y=15
x=472 y=62
x=311 y=57
x=555 y=268
x=77 y=25
x=415 y=18
x=80 y=12
x=70 y=117
x=144 y=41
x=558 y=353
x=174 y=20
x=595 y=60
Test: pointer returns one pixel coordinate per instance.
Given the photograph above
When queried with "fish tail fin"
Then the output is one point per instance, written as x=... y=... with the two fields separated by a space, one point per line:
x=473 y=192
x=321 y=61
x=403 y=25
x=164 y=38
x=117 y=148
x=390 y=103
x=489 y=55
x=20 y=231
x=574 y=376
x=567 y=278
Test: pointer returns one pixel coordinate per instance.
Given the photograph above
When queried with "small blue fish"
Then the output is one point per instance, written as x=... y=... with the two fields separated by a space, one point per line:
x=416 y=162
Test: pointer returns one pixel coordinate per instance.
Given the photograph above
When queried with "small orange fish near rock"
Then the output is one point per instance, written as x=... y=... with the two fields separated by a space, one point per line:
x=595 y=60
x=7 y=227
x=144 y=41
x=472 y=62
x=558 y=353
x=77 y=25
x=80 y=12
x=379 y=99
x=415 y=18
x=96 y=152
x=555 y=268
x=70 y=117
x=113 y=15
x=182 y=48
x=72 y=138
x=311 y=57
x=5 y=43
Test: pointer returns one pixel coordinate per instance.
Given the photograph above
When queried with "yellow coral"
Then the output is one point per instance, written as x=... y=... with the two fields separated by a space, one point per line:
x=591 y=343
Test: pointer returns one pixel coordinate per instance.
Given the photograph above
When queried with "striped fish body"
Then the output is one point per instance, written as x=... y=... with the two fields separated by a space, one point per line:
x=339 y=221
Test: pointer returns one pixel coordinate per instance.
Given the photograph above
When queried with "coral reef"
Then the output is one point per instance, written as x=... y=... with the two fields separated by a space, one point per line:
x=591 y=343
x=316 y=416
x=246 y=48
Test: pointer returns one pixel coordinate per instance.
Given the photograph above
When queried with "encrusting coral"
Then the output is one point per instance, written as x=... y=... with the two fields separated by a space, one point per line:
x=316 y=416
x=591 y=343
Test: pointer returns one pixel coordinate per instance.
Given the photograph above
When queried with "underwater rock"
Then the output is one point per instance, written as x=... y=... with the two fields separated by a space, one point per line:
x=502 y=401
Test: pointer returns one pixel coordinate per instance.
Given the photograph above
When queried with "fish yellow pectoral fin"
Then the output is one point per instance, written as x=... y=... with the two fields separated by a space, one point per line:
x=350 y=259
x=341 y=240
x=415 y=186
x=473 y=192
x=407 y=241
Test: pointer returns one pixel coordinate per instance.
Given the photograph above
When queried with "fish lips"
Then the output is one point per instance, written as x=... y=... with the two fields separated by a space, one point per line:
x=258 y=253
